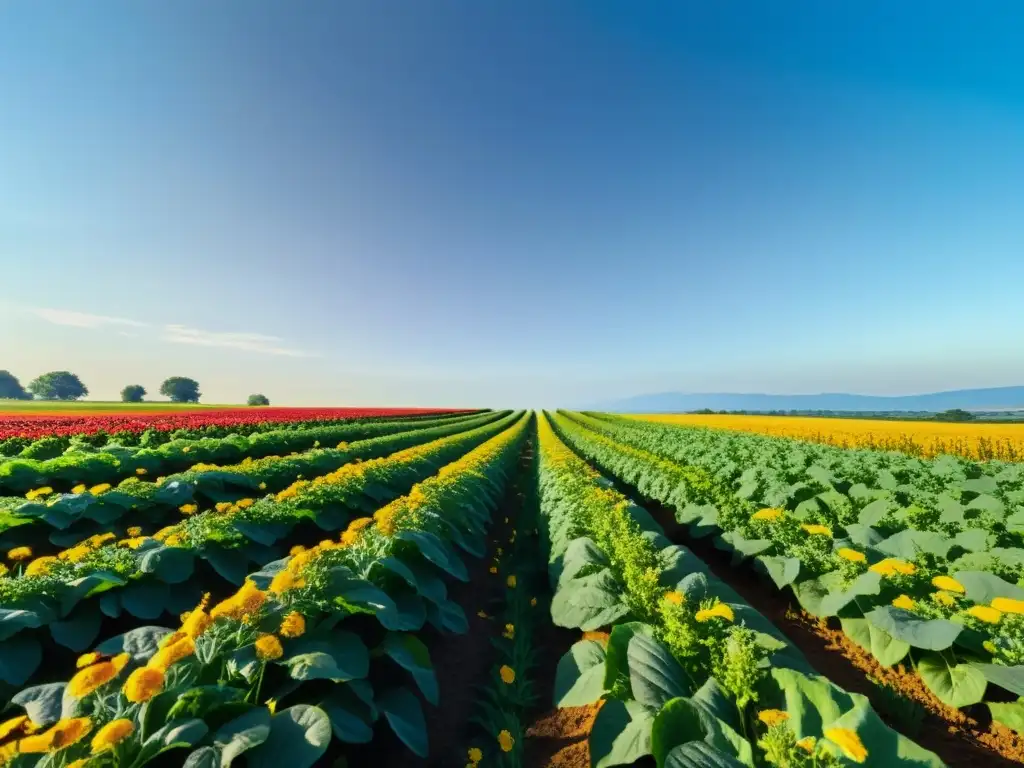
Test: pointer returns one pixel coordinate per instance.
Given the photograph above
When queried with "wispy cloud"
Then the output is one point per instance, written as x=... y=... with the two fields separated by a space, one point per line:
x=251 y=342
x=171 y=333
x=81 y=319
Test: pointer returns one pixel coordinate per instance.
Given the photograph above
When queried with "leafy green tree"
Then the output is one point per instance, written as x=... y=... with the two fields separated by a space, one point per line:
x=954 y=414
x=133 y=393
x=11 y=389
x=58 y=385
x=181 y=389
x=258 y=400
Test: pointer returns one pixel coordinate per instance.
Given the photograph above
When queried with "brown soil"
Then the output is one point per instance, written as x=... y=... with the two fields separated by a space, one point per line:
x=559 y=738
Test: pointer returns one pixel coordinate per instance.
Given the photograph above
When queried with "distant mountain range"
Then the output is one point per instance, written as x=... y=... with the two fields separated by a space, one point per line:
x=991 y=399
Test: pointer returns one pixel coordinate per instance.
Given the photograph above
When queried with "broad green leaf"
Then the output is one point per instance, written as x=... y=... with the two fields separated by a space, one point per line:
x=145 y=599
x=909 y=543
x=957 y=685
x=20 y=657
x=678 y=722
x=812 y=702
x=351 y=718
x=868 y=583
x=172 y=565
x=579 y=679
x=589 y=603
x=621 y=734
x=929 y=634
x=141 y=643
x=884 y=745
x=299 y=736
x=655 y=676
x=1010 y=678
x=409 y=652
x=783 y=570
x=616 y=666
x=984 y=587
x=698 y=754
x=1009 y=713
x=13 y=621
x=582 y=557
x=405 y=716
x=881 y=644
x=79 y=630
x=42 y=703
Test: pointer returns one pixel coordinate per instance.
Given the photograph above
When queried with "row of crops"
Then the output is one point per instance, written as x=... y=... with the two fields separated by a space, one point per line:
x=281 y=596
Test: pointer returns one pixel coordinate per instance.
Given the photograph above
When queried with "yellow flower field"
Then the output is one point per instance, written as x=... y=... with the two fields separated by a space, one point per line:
x=918 y=438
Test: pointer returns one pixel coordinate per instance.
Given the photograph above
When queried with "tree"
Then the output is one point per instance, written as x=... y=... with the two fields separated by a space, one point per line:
x=955 y=414
x=11 y=389
x=258 y=400
x=58 y=385
x=133 y=393
x=181 y=390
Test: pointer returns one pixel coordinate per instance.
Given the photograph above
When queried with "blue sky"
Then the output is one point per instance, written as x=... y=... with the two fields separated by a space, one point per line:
x=512 y=203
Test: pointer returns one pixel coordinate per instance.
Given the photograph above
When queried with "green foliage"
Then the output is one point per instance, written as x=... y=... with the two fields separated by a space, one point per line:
x=258 y=400
x=955 y=414
x=133 y=393
x=181 y=389
x=11 y=389
x=58 y=385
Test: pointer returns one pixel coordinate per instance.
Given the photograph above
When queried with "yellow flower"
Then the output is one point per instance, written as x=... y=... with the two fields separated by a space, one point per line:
x=676 y=598
x=807 y=744
x=772 y=717
x=852 y=555
x=893 y=566
x=140 y=471
x=188 y=509
x=986 y=614
x=174 y=540
x=511 y=581
x=135 y=530
x=19 y=553
x=533 y=602
x=268 y=647
x=505 y=740
x=45 y=491
x=989 y=646
x=135 y=543
x=767 y=514
x=173 y=652
x=143 y=684
x=719 y=611
x=62 y=734
x=817 y=530
x=949 y=584
x=294 y=625
x=98 y=489
x=40 y=566
x=247 y=600
x=493 y=569
x=112 y=734
x=905 y=602
x=283 y=581
x=244 y=503
x=296 y=550
x=80 y=488
x=944 y=598
x=222 y=506
x=482 y=614
x=510 y=631
x=849 y=742
x=88 y=659
x=508 y=675
x=198 y=620
x=92 y=677
x=14 y=724
x=1007 y=605
x=475 y=754
x=263 y=486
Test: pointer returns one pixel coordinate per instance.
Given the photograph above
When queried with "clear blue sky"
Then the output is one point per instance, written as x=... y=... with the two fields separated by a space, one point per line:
x=512 y=203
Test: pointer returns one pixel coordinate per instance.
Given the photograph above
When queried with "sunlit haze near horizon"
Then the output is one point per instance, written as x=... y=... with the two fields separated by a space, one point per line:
x=512 y=204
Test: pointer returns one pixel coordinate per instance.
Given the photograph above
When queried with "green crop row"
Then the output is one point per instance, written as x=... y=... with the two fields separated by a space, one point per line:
x=919 y=566
x=66 y=519
x=289 y=663
x=67 y=596
x=688 y=673
x=92 y=466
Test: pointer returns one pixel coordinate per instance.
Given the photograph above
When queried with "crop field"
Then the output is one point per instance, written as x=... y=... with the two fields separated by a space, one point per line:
x=917 y=438
x=495 y=588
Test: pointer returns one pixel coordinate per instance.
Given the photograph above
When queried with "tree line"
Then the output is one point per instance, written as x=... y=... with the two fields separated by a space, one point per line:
x=64 y=385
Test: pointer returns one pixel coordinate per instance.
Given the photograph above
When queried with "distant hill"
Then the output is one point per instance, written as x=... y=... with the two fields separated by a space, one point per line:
x=991 y=399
